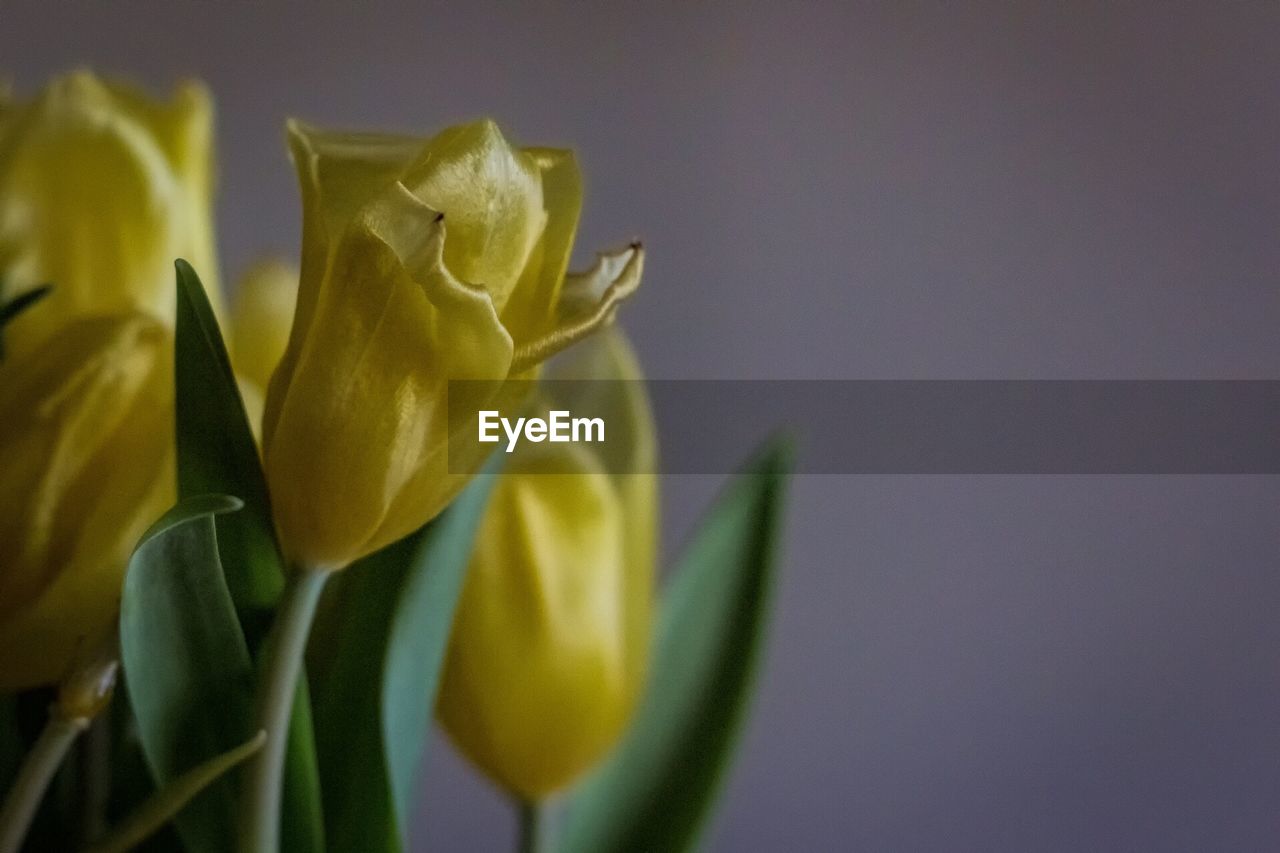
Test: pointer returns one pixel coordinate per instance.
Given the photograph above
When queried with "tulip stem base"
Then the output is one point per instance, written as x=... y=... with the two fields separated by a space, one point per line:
x=38 y=769
x=536 y=831
x=282 y=664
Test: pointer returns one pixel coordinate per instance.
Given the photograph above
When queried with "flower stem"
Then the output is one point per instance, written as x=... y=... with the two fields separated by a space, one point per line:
x=33 y=778
x=260 y=826
x=535 y=828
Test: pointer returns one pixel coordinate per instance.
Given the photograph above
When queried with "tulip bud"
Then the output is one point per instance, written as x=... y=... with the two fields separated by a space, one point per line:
x=261 y=316
x=101 y=189
x=422 y=262
x=87 y=466
x=550 y=639
x=260 y=319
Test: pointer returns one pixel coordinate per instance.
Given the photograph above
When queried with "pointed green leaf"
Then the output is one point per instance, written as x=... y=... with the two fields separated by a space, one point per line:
x=657 y=789
x=376 y=699
x=217 y=453
x=187 y=667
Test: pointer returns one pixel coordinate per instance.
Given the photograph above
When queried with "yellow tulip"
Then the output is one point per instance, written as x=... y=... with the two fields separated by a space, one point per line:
x=551 y=636
x=261 y=316
x=86 y=466
x=101 y=189
x=422 y=261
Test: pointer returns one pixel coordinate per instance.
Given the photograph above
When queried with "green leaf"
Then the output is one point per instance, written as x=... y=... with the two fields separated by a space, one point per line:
x=302 y=814
x=17 y=305
x=189 y=678
x=218 y=455
x=375 y=701
x=161 y=807
x=131 y=783
x=657 y=789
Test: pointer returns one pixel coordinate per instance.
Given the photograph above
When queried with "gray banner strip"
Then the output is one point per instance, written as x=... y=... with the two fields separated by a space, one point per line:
x=952 y=427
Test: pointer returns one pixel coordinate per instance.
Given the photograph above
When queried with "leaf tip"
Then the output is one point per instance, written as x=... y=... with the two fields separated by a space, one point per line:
x=776 y=456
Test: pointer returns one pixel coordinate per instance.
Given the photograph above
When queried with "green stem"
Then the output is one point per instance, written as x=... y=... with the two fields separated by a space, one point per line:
x=260 y=827
x=536 y=834
x=33 y=779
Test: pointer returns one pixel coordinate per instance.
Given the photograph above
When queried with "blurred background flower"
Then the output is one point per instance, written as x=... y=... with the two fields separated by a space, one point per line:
x=101 y=188
x=87 y=458
x=552 y=633
x=261 y=316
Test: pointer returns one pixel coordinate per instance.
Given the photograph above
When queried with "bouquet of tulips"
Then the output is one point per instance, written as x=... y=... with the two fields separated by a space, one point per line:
x=240 y=574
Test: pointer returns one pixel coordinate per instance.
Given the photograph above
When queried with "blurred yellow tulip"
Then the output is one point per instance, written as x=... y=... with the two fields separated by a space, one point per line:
x=261 y=315
x=422 y=261
x=551 y=636
x=101 y=189
x=87 y=465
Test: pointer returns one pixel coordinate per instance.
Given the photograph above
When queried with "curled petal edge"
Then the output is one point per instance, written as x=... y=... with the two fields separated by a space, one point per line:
x=589 y=301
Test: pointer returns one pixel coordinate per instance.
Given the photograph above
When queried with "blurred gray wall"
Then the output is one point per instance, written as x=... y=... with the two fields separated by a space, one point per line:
x=892 y=190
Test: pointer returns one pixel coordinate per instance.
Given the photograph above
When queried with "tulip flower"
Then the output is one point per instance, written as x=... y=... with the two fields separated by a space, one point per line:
x=261 y=316
x=551 y=634
x=101 y=189
x=422 y=261
x=87 y=465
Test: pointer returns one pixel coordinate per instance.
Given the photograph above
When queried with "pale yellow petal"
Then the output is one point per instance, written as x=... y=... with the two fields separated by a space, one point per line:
x=261 y=318
x=86 y=451
x=99 y=195
x=362 y=410
x=531 y=310
x=551 y=637
x=491 y=196
x=535 y=686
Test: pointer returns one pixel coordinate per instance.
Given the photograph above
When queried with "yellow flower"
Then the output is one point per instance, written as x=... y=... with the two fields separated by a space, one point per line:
x=551 y=636
x=101 y=189
x=422 y=261
x=86 y=466
x=260 y=319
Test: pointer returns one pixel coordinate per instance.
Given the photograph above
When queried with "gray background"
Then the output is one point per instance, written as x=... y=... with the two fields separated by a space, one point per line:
x=896 y=190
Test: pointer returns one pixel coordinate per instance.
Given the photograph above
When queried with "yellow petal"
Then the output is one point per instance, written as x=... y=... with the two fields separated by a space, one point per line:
x=338 y=173
x=535 y=685
x=100 y=190
x=630 y=457
x=491 y=196
x=588 y=302
x=183 y=127
x=550 y=641
x=254 y=401
x=422 y=262
x=530 y=311
x=360 y=410
x=261 y=317
x=86 y=451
